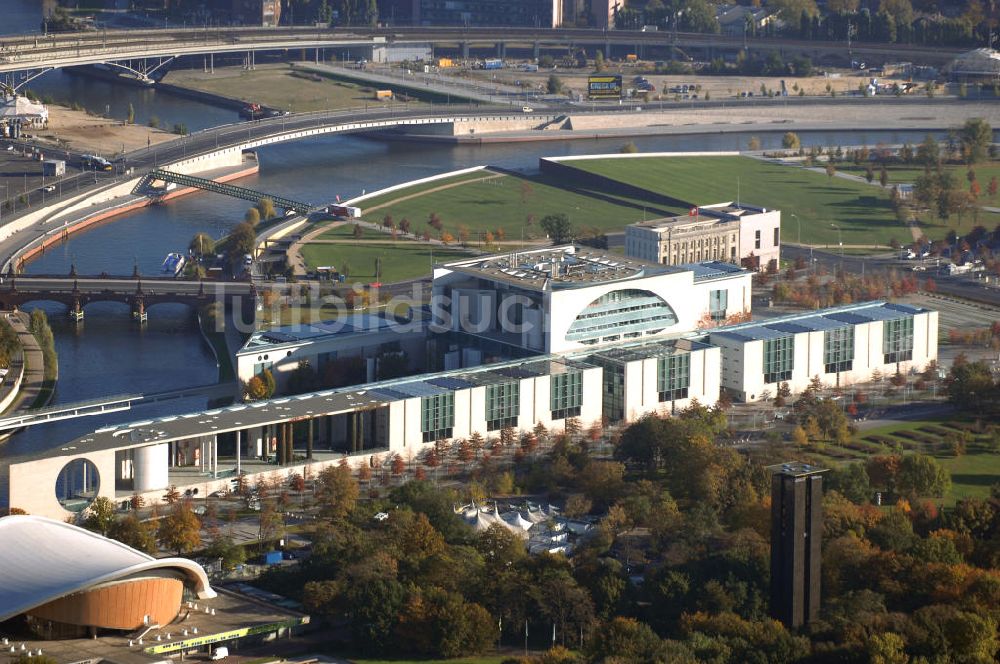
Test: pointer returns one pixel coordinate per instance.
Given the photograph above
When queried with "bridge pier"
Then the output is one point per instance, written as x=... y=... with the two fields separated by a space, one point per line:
x=465 y=50
x=502 y=50
x=536 y=50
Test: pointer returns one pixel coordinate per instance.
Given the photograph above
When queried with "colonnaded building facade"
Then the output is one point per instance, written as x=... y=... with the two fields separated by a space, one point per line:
x=509 y=341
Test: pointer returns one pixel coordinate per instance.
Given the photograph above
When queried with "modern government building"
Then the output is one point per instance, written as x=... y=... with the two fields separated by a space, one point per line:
x=507 y=341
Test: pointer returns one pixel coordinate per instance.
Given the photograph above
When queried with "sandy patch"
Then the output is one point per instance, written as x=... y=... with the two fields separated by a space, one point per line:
x=80 y=132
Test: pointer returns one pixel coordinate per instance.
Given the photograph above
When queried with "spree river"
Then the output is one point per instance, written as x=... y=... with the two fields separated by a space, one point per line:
x=109 y=355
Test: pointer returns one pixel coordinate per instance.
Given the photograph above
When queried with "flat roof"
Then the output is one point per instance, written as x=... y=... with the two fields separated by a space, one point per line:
x=828 y=319
x=553 y=268
x=359 y=323
x=242 y=416
x=709 y=270
x=796 y=469
x=647 y=350
x=716 y=213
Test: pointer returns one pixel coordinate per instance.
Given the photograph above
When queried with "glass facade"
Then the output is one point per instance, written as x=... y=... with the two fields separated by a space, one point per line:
x=566 y=394
x=621 y=312
x=503 y=405
x=897 y=340
x=718 y=303
x=838 y=349
x=779 y=359
x=674 y=377
x=437 y=416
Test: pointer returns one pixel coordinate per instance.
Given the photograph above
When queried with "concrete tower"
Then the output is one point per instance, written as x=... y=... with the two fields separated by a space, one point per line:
x=796 y=532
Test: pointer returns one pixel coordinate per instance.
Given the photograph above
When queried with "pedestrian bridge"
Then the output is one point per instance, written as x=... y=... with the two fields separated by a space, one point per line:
x=242 y=193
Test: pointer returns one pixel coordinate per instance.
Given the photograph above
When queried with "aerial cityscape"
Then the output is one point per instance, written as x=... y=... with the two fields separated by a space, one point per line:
x=499 y=331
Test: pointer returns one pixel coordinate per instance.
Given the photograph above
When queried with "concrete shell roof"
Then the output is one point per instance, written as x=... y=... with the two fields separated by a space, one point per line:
x=42 y=560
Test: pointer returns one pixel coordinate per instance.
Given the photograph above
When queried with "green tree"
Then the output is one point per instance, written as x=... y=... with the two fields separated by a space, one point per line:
x=138 y=534
x=242 y=241
x=790 y=141
x=202 y=244
x=922 y=475
x=598 y=60
x=886 y=648
x=266 y=208
x=336 y=492
x=929 y=152
x=625 y=640
x=270 y=386
x=753 y=144
x=180 y=531
x=100 y=516
x=976 y=136
x=970 y=384
x=231 y=554
x=554 y=84
x=557 y=227
x=252 y=216
x=628 y=148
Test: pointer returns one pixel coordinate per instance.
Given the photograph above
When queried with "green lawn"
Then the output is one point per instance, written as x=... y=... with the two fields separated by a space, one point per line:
x=401 y=260
x=972 y=475
x=378 y=201
x=862 y=211
x=507 y=201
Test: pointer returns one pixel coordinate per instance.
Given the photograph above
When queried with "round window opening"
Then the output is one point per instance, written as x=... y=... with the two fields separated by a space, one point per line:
x=77 y=485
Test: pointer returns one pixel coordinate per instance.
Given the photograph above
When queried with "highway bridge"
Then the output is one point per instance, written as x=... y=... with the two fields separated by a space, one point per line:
x=127 y=49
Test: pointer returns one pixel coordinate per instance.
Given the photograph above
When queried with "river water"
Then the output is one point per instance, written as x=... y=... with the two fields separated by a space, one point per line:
x=109 y=355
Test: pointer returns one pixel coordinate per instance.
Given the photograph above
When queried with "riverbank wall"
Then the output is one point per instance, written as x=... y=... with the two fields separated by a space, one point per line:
x=75 y=223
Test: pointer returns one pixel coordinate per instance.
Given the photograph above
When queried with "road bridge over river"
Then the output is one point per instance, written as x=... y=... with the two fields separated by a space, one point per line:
x=137 y=292
x=122 y=47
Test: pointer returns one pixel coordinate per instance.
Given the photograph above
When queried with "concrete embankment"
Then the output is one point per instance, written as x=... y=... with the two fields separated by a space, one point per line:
x=75 y=224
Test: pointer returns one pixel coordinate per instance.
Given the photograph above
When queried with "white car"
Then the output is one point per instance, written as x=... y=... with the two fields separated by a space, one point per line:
x=48 y=187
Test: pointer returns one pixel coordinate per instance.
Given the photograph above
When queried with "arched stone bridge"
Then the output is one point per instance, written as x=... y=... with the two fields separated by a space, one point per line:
x=138 y=292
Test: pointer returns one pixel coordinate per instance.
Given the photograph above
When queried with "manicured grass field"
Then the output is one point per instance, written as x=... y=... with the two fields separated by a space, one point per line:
x=376 y=203
x=863 y=212
x=972 y=474
x=507 y=201
x=400 y=261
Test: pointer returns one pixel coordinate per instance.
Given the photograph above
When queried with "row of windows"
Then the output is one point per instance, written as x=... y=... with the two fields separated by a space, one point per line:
x=897 y=340
x=437 y=416
x=503 y=405
x=566 y=395
x=718 y=303
x=779 y=359
x=673 y=377
x=838 y=349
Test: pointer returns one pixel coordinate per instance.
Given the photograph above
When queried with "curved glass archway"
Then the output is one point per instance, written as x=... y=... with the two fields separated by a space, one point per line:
x=622 y=313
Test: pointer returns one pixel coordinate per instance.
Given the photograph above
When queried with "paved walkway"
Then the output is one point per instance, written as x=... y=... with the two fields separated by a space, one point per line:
x=34 y=373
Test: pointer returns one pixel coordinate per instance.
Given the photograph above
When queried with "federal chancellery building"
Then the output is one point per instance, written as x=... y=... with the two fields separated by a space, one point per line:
x=508 y=341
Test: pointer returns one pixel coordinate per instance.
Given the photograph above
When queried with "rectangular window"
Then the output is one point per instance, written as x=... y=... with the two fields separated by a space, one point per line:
x=503 y=405
x=566 y=395
x=261 y=367
x=779 y=359
x=756 y=239
x=674 y=377
x=437 y=416
x=838 y=349
x=718 y=303
x=776 y=236
x=897 y=340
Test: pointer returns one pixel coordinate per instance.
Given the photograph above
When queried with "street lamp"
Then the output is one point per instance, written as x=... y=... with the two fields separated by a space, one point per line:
x=840 y=240
x=799 y=224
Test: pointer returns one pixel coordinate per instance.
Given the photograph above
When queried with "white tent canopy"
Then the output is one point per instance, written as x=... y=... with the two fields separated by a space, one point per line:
x=24 y=109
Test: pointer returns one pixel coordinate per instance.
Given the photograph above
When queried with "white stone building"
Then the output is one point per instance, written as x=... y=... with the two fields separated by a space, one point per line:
x=730 y=232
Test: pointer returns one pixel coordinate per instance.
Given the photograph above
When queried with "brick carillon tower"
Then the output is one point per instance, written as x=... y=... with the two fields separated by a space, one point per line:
x=796 y=539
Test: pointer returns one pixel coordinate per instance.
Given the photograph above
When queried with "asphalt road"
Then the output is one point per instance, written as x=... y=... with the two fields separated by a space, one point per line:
x=957 y=286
